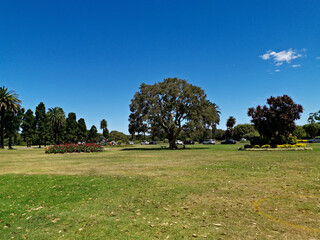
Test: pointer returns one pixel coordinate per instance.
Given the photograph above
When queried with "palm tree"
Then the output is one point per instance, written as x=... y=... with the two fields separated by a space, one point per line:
x=57 y=120
x=9 y=101
x=104 y=127
x=231 y=121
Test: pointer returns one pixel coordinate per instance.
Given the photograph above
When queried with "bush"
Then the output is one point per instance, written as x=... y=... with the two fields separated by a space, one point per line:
x=266 y=146
x=292 y=140
x=258 y=141
x=278 y=140
x=247 y=146
x=72 y=148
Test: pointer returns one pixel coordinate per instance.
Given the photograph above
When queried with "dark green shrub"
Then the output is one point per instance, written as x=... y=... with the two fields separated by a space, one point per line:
x=278 y=140
x=258 y=141
x=247 y=146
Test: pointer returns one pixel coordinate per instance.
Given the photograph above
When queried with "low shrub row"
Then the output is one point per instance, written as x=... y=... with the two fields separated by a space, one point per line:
x=297 y=145
x=74 y=148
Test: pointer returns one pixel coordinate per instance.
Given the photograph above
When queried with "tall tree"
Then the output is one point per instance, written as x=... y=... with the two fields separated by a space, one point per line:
x=169 y=104
x=57 y=121
x=93 y=134
x=9 y=101
x=211 y=117
x=13 y=122
x=71 y=128
x=104 y=128
x=28 y=127
x=231 y=121
x=41 y=122
x=82 y=133
x=277 y=118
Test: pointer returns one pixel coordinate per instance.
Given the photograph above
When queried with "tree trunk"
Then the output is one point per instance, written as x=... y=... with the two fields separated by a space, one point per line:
x=172 y=141
x=10 y=143
x=39 y=142
x=2 y=129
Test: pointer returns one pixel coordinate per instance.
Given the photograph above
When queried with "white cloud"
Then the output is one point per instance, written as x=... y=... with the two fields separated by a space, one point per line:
x=277 y=70
x=296 y=65
x=318 y=58
x=281 y=57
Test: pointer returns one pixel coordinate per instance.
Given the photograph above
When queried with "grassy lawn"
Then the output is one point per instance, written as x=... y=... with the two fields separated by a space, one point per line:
x=213 y=192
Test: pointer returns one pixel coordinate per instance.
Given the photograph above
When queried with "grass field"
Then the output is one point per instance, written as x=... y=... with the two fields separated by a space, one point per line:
x=212 y=192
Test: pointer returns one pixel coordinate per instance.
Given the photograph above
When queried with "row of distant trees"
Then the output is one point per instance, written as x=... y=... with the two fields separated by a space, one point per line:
x=42 y=127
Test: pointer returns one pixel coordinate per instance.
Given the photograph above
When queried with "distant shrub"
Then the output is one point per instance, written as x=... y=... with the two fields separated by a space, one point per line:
x=292 y=140
x=266 y=146
x=73 y=148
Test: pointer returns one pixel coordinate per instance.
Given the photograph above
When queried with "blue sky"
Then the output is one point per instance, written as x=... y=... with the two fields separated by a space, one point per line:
x=89 y=57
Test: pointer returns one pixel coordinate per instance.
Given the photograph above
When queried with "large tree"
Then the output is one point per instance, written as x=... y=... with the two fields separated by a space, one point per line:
x=169 y=104
x=57 y=120
x=82 y=132
x=9 y=101
x=277 y=118
x=71 y=128
x=314 y=117
x=28 y=127
x=12 y=127
x=41 y=122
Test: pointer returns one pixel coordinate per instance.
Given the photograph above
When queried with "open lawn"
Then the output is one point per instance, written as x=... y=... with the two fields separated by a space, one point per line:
x=213 y=192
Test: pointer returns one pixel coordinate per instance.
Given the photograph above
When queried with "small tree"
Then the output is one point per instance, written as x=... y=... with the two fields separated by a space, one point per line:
x=93 y=134
x=104 y=128
x=231 y=121
x=244 y=131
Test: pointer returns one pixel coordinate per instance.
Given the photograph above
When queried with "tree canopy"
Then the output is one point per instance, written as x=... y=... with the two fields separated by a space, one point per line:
x=169 y=104
x=9 y=101
x=277 y=118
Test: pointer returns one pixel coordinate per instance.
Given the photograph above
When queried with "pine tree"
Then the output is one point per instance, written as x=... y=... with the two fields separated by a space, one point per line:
x=41 y=124
x=82 y=132
x=28 y=127
x=71 y=128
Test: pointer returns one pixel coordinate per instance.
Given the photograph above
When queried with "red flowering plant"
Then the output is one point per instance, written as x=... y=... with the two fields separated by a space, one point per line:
x=73 y=147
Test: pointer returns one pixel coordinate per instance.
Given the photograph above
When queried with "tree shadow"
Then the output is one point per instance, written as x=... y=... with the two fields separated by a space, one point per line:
x=161 y=149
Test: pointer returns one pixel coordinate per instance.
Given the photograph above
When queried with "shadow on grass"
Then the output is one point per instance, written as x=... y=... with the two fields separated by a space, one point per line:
x=160 y=149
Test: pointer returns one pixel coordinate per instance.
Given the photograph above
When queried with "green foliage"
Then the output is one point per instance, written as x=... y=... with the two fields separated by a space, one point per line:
x=93 y=134
x=71 y=128
x=28 y=127
x=9 y=101
x=57 y=121
x=312 y=129
x=41 y=124
x=82 y=133
x=118 y=137
x=244 y=131
x=169 y=104
x=292 y=140
x=74 y=148
x=104 y=127
x=300 y=132
x=12 y=126
x=276 y=119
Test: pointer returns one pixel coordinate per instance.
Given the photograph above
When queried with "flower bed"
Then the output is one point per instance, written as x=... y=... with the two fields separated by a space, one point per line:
x=74 y=148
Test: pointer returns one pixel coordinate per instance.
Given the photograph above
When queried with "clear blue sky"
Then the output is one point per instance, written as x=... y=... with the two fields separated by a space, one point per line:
x=89 y=57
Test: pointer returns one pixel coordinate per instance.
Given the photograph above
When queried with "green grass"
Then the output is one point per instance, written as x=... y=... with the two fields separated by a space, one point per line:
x=152 y=193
